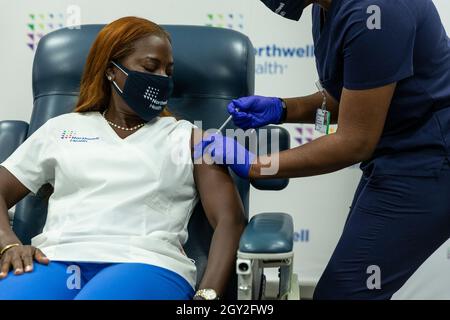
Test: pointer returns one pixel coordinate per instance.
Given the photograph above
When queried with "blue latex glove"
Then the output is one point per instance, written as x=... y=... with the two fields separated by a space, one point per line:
x=226 y=151
x=255 y=111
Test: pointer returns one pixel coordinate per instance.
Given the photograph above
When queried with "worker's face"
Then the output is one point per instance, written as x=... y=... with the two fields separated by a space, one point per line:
x=290 y=9
x=152 y=54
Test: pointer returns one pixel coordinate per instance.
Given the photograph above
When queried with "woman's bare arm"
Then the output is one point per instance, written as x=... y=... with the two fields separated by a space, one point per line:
x=362 y=115
x=20 y=258
x=225 y=212
x=303 y=109
x=11 y=192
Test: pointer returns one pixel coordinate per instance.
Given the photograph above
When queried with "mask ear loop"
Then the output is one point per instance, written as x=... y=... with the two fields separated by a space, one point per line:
x=126 y=73
x=117 y=87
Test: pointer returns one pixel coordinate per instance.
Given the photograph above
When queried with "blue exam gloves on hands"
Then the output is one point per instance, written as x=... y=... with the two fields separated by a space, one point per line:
x=227 y=151
x=255 y=111
x=247 y=112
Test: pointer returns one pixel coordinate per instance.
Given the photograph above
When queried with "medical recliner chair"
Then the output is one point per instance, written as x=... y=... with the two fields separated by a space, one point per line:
x=213 y=66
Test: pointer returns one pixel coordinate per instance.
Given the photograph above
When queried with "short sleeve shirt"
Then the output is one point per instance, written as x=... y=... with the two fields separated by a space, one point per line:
x=365 y=44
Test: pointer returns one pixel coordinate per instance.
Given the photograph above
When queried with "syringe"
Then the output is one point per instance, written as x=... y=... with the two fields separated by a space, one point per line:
x=224 y=124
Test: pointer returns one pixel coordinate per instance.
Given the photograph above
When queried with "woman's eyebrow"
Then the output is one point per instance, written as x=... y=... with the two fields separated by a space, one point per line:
x=156 y=60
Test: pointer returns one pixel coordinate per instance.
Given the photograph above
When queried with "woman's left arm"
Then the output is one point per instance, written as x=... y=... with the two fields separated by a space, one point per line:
x=362 y=115
x=225 y=212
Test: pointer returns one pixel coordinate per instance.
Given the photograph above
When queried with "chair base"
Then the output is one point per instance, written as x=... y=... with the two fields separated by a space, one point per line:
x=251 y=280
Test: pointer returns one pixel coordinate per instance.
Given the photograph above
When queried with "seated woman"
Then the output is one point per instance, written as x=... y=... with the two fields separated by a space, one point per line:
x=124 y=186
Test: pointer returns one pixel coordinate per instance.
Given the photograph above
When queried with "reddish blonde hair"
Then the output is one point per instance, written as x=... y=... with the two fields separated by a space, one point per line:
x=114 y=42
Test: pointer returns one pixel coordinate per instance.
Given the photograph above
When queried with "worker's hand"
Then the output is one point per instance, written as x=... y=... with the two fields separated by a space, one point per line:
x=255 y=111
x=20 y=258
x=227 y=151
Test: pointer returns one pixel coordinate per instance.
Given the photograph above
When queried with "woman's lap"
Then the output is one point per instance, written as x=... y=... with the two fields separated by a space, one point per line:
x=133 y=281
x=94 y=281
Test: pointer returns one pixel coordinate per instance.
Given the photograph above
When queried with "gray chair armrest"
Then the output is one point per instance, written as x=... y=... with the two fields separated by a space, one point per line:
x=270 y=232
x=12 y=134
x=282 y=140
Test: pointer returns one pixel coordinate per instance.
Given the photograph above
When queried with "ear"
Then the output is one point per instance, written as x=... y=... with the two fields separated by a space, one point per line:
x=110 y=75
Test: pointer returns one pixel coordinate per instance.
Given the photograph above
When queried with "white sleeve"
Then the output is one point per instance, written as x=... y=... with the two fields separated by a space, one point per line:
x=32 y=163
x=180 y=141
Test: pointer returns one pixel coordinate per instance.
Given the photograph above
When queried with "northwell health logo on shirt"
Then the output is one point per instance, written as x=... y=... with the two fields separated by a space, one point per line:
x=72 y=136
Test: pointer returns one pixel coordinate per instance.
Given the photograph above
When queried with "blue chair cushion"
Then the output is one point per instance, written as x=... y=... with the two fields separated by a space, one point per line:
x=270 y=232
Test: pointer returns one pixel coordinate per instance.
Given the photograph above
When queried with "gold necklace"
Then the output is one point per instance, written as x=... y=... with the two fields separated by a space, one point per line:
x=120 y=127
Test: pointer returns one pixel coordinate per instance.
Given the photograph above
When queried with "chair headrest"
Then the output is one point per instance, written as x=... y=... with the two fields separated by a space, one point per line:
x=209 y=62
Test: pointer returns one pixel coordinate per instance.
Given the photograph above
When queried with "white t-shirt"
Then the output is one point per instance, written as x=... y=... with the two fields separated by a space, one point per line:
x=114 y=200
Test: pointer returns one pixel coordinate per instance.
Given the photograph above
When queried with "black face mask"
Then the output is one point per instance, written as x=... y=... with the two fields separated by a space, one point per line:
x=145 y=93
x=290 y=9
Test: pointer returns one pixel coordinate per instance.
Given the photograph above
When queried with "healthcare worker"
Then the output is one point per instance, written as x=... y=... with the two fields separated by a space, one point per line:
x=384 y=67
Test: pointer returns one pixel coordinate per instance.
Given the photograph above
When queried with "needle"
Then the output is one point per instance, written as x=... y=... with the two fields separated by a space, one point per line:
x=224 y=124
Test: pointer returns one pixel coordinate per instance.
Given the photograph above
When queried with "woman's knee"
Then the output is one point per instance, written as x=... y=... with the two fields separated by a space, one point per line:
x=44 y=282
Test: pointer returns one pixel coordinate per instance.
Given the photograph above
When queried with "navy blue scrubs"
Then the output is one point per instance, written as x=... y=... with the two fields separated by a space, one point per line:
x=401 y=210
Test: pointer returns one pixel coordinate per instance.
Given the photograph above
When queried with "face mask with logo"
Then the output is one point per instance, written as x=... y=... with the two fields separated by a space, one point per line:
x=145 y=93
x=290 y=9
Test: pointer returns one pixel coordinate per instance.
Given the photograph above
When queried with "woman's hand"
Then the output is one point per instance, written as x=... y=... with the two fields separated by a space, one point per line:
x=20 y=258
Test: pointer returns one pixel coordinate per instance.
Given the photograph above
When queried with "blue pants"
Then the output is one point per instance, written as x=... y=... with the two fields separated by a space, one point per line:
x=95 y=281
x=395 y=223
